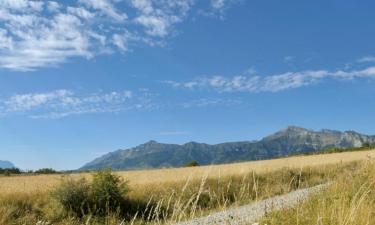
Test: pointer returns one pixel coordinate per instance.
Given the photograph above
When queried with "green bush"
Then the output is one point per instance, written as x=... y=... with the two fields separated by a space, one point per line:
x=73 y=195
x=107 y=192
x=104 y=195
x=192 y=164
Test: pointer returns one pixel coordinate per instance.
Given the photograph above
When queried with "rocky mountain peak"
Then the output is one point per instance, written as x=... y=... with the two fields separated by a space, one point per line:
x=295 y=129
x=328 y=131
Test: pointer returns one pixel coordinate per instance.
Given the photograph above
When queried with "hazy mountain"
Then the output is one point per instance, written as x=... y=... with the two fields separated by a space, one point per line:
x=284 y=142
x=6 y=165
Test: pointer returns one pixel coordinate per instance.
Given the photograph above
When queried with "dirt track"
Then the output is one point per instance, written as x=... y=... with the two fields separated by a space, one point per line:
x=249 y=214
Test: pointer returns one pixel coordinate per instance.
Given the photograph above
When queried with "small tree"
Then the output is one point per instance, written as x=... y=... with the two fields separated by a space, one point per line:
x=192 y=164
x=107 y=192
x=73 y=195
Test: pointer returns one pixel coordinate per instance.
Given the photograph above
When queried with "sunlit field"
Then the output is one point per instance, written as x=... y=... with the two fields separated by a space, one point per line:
x=31 y=184
x=349 y=200
x=166 y=196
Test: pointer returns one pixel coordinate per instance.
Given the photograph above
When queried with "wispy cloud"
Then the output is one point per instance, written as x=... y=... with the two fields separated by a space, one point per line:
x=273 y=83
x=210 y=102
x=157 y=17
x=62 y=103
x=105 y=7
x=35 y=33
x=218 y=8
x=370 y=59
x=289 y=59
x=30 y=40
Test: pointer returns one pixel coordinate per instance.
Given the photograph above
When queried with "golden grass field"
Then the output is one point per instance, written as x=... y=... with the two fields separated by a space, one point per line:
x=167 y=196
x=348 y=201
x=160 y=177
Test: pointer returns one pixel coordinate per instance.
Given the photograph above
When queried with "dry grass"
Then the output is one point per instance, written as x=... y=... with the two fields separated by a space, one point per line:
x=160 y=178
x=175 y=201
x=349 y=201
x=170 y=195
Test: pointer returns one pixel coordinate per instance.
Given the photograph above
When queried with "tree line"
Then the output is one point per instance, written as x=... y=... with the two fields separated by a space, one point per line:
x=16 y=171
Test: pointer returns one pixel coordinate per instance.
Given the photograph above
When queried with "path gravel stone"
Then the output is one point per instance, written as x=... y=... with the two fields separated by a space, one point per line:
x=249 y=214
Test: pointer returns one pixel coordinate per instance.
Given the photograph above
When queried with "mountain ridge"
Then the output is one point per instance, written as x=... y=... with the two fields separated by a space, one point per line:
x=290 y=140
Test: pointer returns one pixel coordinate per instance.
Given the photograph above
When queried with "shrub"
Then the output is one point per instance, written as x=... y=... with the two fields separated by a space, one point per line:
x=104 y=195
x=192 y=164
x=73 y=195
x=107 y=192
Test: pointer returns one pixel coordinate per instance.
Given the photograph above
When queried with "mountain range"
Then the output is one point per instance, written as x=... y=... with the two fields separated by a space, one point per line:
x=6 y=165
x=291 y=140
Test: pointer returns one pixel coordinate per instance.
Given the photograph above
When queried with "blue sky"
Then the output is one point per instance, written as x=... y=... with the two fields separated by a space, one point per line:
x=80 y=78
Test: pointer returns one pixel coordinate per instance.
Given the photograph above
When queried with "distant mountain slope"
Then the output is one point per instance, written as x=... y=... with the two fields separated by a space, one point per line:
x=288 y=141
x=6 y=165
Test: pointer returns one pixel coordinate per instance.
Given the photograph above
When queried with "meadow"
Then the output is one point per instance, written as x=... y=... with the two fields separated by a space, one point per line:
x=349 y=200
x=160 y=177
x=166 y=196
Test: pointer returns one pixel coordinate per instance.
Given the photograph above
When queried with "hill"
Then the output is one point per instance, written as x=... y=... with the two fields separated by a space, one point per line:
x=291 y=140
x=6 y=165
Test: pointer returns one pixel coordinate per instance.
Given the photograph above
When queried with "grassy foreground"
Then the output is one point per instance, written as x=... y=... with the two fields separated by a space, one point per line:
x=350 y=200
x=172 y=201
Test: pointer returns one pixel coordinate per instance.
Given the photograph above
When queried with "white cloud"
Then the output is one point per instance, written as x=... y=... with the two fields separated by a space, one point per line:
x=107 y=7
x=367 y=59
x=218 y=8
x=22 y=5
x=273 y=83
x=159 y=16
x=62 y=103
x=36 y=33
x=120 y=41
x=53 y=6
x=218 y=4
x=155 y=26
x=289 y=59
x=81 y=12
x=29 y=41
x=29 y=101
x=144 y=6
x=210 y=102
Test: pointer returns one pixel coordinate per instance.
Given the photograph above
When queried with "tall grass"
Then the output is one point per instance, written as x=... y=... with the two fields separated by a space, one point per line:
x=173 y=201
x=160 y=177
x=350 y=200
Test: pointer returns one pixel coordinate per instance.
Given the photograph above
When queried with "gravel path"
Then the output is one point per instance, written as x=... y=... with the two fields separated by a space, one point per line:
x=249 y=214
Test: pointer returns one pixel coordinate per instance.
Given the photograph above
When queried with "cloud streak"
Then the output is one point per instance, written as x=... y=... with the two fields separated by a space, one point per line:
x=367 y=59
x=218 y=8
x=273 y=83
x=210 y=102
x=62 y=103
